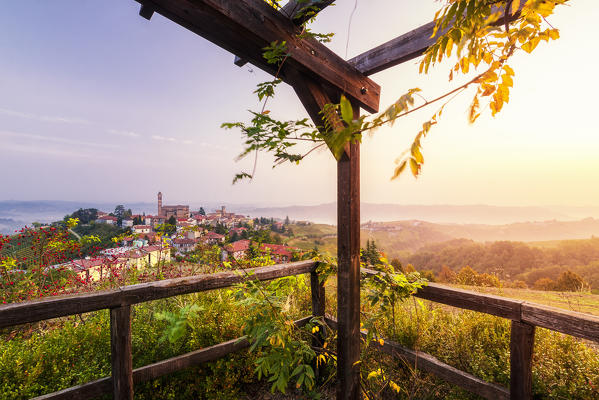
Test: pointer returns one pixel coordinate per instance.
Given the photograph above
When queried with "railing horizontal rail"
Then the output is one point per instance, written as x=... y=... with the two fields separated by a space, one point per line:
x=426 y=362
x=570 y=322
x=54 y=307
x=152 y=371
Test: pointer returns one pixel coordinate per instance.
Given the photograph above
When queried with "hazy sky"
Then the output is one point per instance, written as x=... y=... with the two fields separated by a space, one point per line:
x=99 y=104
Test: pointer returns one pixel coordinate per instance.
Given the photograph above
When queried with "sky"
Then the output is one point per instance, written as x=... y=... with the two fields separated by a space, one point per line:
x=99 y=104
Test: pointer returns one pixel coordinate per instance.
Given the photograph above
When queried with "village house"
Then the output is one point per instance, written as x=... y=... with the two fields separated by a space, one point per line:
x=237 y=249
x=107 y=219
x=278 y=252
x=213 y=238
x=141 y=229
x=127 y=223
x=184 y=245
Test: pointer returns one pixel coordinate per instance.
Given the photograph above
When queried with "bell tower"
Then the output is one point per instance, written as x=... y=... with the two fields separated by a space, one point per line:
x=159 y=204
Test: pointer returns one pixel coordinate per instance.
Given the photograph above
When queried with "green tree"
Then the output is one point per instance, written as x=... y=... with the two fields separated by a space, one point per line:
x=202 y=212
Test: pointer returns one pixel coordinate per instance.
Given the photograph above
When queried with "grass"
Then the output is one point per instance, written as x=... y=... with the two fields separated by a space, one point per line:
x=574 y=301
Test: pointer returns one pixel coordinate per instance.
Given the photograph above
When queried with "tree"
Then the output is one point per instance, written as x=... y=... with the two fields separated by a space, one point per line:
x=569 y=281
x=446 y=274
x=287 y=222
x=119 y=211
x=85 y=215
x=544 y=284
x=202 y=212
x=172 y=220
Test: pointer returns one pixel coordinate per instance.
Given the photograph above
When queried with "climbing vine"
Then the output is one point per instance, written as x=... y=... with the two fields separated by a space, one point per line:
x=478 y=36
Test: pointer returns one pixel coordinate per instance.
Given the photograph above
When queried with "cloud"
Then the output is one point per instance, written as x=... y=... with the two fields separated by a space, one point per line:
x=170 y=139
x=55 y=139
x=44 y=118
x=123 y=133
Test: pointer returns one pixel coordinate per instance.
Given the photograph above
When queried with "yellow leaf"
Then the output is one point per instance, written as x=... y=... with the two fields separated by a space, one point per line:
x=414 y=167
x=507 y=80
x=553 y=33
x=508 y=70
x=381 y=342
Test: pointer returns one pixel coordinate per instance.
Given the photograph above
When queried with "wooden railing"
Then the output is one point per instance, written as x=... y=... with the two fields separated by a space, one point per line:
x=119 y=302
x=524 y=316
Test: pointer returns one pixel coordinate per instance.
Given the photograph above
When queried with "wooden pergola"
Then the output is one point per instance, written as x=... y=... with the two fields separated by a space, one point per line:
x=319 y=77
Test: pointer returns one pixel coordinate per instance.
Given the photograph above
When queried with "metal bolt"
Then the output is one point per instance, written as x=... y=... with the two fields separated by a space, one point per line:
x=363 y=90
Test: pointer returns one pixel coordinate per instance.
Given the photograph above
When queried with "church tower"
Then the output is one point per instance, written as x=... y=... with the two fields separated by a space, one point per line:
x=159 y=204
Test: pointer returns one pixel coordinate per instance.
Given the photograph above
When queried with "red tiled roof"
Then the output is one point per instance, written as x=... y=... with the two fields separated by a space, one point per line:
x=239 y=245
x=108 y=218
x=214 y=235
x=184 y=241
x=142 y=227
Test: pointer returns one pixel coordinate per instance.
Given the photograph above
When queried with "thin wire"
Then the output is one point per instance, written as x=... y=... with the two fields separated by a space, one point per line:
x=351 y=16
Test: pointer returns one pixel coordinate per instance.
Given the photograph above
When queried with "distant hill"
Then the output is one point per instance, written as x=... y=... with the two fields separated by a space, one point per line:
x=397 y=238
x=462 y=214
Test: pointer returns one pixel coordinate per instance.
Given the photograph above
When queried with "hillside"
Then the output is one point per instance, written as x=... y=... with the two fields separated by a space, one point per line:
x=443 y=214
x=396 y=238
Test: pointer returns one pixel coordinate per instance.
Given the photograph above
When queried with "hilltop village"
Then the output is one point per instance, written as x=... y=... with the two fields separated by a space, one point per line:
x=175 y=231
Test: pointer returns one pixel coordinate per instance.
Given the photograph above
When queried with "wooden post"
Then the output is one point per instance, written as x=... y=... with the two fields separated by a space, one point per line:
x=120 y=346
x=521 y=350
x=318 y=309
x=348 y=277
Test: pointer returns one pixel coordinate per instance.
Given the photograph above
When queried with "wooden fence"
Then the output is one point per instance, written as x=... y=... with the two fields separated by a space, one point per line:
x=524 y=316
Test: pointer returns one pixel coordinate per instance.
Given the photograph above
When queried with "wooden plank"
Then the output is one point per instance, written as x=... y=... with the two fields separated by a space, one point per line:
x=292 y=10
x=146 y=11
x=467 y=299
x=521 y=350
x=396 y=51
x=88 y=390
x=404 y=48
x=120 y=347
x=245 y=27
x=348 y=275
x=158 y=369
x=33 y=311
x=573 y=323
x=427 y=363
x=318 y=310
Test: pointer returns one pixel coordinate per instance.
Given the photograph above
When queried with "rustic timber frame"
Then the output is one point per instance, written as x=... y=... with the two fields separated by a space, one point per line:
x=523 y=315
x=319 y=77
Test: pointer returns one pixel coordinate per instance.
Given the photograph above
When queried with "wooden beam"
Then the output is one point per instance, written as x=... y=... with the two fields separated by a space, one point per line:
x=521 y=350
x=427 y=363
x=396 y=51
x=405 y=47
x=48 y=308
x=146 y=11
x=292 y=10
x=245 y=27
x=120 y=346
x=348 y=275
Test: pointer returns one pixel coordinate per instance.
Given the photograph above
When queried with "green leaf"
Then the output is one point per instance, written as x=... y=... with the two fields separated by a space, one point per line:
x=347 y=113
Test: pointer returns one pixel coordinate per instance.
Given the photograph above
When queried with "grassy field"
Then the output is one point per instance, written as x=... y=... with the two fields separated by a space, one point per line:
x=574 y=301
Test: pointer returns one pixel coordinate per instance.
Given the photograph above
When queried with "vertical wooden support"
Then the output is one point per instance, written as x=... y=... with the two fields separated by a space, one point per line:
x=521 y=350
x=120 y=346
x=348 y=277
x=318 y=309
